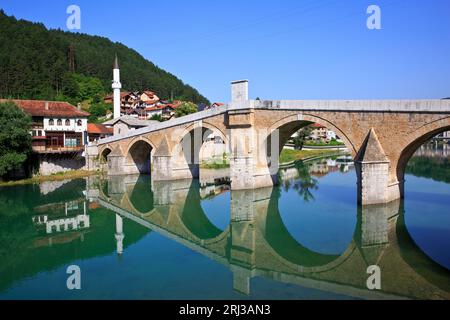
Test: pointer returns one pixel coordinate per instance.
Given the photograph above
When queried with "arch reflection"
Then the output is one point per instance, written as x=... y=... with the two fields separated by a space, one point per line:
x=257 y=244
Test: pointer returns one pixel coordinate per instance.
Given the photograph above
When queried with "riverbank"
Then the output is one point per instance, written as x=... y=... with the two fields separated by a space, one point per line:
x=54 y=177
x=289 y=156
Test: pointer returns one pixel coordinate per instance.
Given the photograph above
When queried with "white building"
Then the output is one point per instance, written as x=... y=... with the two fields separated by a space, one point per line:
x=125 y=124
x=57 y=126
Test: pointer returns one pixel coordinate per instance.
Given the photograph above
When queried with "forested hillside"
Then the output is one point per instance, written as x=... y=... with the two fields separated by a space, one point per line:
x=36 y=63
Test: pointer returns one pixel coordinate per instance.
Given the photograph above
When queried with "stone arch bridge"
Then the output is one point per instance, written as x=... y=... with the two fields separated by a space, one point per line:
x=381 y=135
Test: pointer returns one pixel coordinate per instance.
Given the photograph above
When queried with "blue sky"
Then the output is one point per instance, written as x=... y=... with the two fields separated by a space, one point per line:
x=288 y=49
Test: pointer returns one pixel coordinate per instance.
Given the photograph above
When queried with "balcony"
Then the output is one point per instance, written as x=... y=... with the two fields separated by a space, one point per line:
x=56 y=149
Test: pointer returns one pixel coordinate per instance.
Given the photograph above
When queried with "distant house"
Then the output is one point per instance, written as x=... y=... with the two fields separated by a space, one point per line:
x=217 y=105
x=57 y=127
x=128 y=99
x=98 y=131
x=175 y=104
x=126 y=124
x=163 y=110
x=321 y=133
x=133 y=104
x=149 y=97
x=444 y=135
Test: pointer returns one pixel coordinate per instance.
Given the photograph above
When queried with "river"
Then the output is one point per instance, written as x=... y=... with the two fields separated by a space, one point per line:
x=133 y=238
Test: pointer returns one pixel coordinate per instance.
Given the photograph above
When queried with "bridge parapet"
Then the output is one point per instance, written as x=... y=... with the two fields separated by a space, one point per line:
x=415 y=106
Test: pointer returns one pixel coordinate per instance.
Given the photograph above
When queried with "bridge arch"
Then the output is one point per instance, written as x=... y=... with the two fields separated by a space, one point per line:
x=288 y=251
x=188 y=151
x=103 y=158
x=282 y=130
x=139 y=196
x=105 y=152
x=139 y=156
x=196 y=221
x=292 y=123
x=417 y=259
x=413 y=142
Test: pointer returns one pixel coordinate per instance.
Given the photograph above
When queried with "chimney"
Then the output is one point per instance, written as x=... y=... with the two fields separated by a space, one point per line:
x=46 y=105
x=79 y=106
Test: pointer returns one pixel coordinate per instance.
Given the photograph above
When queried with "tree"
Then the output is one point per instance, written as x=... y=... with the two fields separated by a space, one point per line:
x=185 y=108
x=306 y=183
x=98 y=111
x=43 y=69
x=15 y=138
x=157 y=117
x=300 y=138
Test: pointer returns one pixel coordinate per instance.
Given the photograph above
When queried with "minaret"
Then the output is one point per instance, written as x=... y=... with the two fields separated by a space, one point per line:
x=116 y=85
x=119 y=234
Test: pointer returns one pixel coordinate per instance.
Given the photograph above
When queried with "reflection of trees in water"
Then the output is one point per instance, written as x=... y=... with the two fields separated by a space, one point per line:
x=304 y=184
x=435 y=168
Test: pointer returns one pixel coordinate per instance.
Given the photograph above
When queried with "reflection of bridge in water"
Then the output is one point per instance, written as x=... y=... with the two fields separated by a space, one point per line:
x=258 y=244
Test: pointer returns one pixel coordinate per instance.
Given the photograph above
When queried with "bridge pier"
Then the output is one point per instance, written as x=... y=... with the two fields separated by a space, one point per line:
x=372 y=168
x=162 y=168
x=248 y=162
x=241 y=280
x=246 y=207
x=118 y=166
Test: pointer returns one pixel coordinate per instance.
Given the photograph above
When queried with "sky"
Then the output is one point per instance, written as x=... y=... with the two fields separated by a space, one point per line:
x=287 y=49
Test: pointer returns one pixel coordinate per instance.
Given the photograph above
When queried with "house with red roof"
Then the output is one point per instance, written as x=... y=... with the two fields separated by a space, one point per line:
x=160 y=109
x=98 y=131
x=57 y=127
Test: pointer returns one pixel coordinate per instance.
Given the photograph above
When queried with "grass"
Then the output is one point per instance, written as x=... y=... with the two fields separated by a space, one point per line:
x=75 y=174
x=215 y=165
x=297 y=155
x=332 y=143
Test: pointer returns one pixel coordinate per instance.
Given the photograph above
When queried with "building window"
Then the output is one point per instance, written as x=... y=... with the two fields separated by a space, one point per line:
x=51 y=122
x=59 y=123
x=73 y=140
x=79 y=123
x=67 y=122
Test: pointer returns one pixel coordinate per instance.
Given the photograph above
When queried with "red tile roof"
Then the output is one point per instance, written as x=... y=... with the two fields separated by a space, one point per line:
x=37 y=108
x=159 y=107
x=176 y=104
x=123 y=94
x=317 y=125
x=99 y=129
x=150 y=94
